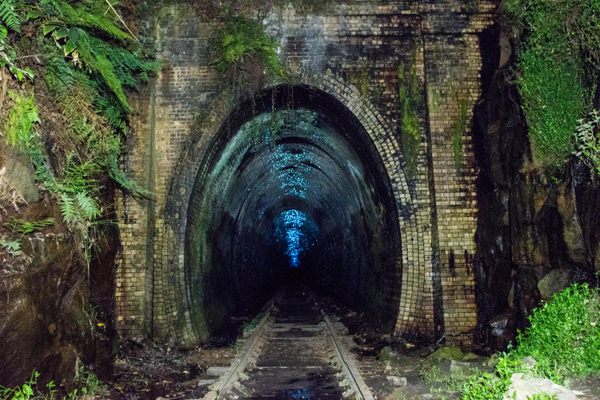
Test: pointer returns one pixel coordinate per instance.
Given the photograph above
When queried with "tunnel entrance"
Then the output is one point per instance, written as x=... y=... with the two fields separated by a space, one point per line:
x=292 y=191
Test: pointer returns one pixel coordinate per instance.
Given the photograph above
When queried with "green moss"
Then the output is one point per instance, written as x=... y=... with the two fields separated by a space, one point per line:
x=410 y=95
x=361 y=80
x=557 y=69
x=554 y=98
x=458 y=132
x=367 y=87
x=307 y=6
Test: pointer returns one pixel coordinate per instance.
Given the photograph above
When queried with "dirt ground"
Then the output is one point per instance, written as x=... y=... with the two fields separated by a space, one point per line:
x=147 y=371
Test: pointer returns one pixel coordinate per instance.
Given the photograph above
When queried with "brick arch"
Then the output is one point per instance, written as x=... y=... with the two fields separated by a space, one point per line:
x=170 y=299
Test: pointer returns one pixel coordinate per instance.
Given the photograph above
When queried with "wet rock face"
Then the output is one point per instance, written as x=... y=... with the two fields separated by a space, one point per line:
x=538 y=231
x=44 y=324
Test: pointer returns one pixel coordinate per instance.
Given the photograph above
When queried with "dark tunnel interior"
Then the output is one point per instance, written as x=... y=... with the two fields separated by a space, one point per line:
x=292 y=191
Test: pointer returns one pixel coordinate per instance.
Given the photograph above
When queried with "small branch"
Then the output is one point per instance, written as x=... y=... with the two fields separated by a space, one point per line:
x=121 y=19
x=31 y=56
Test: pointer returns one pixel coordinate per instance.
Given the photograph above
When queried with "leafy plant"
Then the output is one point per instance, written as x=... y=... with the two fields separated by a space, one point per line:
x=241 y=40
x=87 y=383
x=13 y=247
x=563 y=338
x=439 y=381
x=20 y=133
x=88 y=63
x=23 y=227
x=115 y=66
x=564 y=335
x=543 y=396
x=21 y=392
x=587 y=141
x=10 y=21
x=21 y=121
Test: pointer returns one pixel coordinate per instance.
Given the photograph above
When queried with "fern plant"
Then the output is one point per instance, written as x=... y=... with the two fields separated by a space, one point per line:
x=240 y=40
x=72 y=27
x=9 y=19
x=89 y=63
x=21 y=121
x=587 y=141
x=12 y=247
x=24 y=227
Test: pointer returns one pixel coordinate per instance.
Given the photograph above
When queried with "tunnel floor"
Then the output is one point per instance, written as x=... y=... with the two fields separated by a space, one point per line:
x=294 y=359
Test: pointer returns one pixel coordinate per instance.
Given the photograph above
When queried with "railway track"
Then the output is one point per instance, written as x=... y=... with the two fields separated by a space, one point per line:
x=295 y=352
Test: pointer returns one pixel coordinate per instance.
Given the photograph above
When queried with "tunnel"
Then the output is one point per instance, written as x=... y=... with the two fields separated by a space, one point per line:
x=291 y=192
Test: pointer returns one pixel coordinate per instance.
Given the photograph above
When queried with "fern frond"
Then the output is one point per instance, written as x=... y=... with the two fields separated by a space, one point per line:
x=127 y=183
x=9 y=16
x=21 y=120
x=78 y=176
x=24 y=227
x=97 y=61
x=64 y=13
x=68 y=208
x=3 y=35
x=89 y=209
x=59 y=76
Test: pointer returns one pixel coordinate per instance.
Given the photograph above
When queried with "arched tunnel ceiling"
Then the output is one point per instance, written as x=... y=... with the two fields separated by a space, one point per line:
x=302 y=165
x=291 y=188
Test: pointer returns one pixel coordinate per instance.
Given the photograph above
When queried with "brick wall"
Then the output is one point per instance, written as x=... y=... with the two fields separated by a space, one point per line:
x=331 y=53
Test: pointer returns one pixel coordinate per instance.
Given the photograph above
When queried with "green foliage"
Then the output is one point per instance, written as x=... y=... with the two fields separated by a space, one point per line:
x=9 y=19
x=20 y=133
x=24 y=227
x=19 y=126
x=587 y=141
x=73 y=29
x=86 y=15
x=486 y=386
x=21 y=392
x=563 y=338
x=78 y=207
x=88 y=63
x=241 y=40
x=543 y=396
x=557 y=69
x=13 y=247
x=554 y=98
x=457 y=134
x=560 y=25
x=87 y=384
x=440 y=381
x=410 y=95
